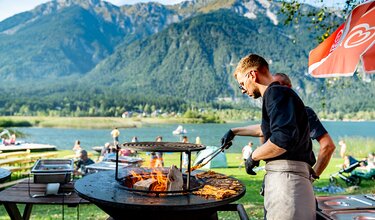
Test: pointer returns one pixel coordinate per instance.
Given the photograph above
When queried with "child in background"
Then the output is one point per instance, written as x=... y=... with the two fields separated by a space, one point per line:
x=157 y=157
x=185 y=158
x=77 y=148
x=198 y=140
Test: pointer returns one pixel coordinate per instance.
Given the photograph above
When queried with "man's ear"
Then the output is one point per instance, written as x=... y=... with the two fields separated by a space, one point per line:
x=253 y=76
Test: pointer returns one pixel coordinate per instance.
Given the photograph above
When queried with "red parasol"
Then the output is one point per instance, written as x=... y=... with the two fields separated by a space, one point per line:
x=339 y=54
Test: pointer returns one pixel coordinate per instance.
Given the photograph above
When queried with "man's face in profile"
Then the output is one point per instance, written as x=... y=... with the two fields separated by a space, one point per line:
x=247 y=85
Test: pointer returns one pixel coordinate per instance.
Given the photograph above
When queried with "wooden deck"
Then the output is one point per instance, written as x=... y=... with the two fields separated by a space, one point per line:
x=27 y=146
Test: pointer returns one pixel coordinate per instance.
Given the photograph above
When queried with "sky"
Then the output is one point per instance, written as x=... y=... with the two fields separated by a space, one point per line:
x=11 y=7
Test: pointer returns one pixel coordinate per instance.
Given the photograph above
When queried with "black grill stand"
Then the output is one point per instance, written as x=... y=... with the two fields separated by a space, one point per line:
x=164 y=147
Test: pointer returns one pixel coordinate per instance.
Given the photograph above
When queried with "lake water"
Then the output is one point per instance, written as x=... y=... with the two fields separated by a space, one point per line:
x=210 y=134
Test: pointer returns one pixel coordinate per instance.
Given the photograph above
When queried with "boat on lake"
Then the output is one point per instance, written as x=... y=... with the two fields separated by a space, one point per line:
x=179 y=130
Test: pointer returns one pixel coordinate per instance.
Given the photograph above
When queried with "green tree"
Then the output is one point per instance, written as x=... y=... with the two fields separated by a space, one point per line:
x=318 y=19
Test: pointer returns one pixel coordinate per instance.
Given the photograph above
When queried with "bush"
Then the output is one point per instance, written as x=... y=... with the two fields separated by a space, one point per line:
x=5 y=123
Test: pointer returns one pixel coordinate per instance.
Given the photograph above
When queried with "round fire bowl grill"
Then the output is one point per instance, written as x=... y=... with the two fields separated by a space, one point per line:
x=127 y=182
x=101 y=189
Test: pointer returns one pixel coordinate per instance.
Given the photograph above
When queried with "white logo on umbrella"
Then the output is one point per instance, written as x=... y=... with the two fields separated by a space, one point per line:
x=359 y=35
x=337 y=40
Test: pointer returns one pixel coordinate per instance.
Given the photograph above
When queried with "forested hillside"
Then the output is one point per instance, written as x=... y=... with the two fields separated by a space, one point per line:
x=93 y=58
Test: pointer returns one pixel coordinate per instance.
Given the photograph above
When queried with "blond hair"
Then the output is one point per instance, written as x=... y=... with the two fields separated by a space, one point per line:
x=250 y=61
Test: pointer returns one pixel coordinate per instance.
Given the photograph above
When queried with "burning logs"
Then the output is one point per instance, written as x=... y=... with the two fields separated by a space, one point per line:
x=156 y=180
x=145 y=185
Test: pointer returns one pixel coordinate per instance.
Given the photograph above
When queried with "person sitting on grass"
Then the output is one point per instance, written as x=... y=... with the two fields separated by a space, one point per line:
x=367 y=171
x=83 y=161
x=110 y=154
x=348 y=159
x=105 y=150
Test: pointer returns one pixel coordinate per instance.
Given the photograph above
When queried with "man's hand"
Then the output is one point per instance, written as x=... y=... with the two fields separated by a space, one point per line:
x=313 y=177
x=250 y=164
x=228 y=145
x=227 y=138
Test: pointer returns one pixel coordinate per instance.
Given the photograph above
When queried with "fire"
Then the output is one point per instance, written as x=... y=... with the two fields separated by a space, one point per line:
x=159 y=179
x=156 y=162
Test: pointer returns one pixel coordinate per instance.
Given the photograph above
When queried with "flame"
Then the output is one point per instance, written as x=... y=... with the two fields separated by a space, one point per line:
x=156 y=174
x=157 y=162
x=161 y=181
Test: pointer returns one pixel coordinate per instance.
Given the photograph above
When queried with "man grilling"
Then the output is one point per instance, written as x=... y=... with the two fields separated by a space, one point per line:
x=317 y=132
x=287 y=149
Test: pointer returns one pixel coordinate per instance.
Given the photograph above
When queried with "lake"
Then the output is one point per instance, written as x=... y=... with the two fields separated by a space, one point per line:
x=210 y=134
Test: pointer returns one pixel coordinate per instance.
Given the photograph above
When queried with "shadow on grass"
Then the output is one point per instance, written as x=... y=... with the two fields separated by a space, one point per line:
x=252 y=200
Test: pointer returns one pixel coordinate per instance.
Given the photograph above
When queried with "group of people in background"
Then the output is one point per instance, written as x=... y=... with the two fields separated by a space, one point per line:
x=82 y=156
x=9 y=141
x=108 y=152
x=156 y=159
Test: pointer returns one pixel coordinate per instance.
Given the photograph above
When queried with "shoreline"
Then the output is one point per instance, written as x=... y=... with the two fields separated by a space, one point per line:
x=111 y=122
x=92 y=122
x=347 y=120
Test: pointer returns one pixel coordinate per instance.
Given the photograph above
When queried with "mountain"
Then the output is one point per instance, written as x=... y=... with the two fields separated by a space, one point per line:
x=69 y=37
x=194 y=59
x=91 y=57
x=48 y=45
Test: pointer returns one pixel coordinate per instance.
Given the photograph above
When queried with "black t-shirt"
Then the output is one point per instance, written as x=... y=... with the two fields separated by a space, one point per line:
x=285 y=123
x=316 y=127
x=81 y=164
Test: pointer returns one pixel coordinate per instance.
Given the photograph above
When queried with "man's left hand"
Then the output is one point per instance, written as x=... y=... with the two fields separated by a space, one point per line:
x=250 y=164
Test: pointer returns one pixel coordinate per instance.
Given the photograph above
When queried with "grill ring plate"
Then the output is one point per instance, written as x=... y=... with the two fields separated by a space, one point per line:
x=163 y=146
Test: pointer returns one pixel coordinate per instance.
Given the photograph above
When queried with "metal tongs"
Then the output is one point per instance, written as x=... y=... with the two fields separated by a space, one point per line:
x=211 y=156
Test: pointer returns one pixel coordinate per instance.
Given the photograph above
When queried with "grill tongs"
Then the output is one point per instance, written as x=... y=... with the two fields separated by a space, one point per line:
x=211 y=156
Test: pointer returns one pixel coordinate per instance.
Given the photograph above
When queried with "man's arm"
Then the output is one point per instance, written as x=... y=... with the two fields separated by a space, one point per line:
x=251 y=130
x=327 y=147
x=266 y=151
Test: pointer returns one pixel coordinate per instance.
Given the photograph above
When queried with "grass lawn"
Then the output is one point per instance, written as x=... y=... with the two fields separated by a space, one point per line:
x=252 y=201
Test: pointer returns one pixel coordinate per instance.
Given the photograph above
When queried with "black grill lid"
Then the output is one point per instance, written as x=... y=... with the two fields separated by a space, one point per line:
x=163 y=146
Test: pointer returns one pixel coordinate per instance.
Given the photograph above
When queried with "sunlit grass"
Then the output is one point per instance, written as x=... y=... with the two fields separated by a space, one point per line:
x=252 y=201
